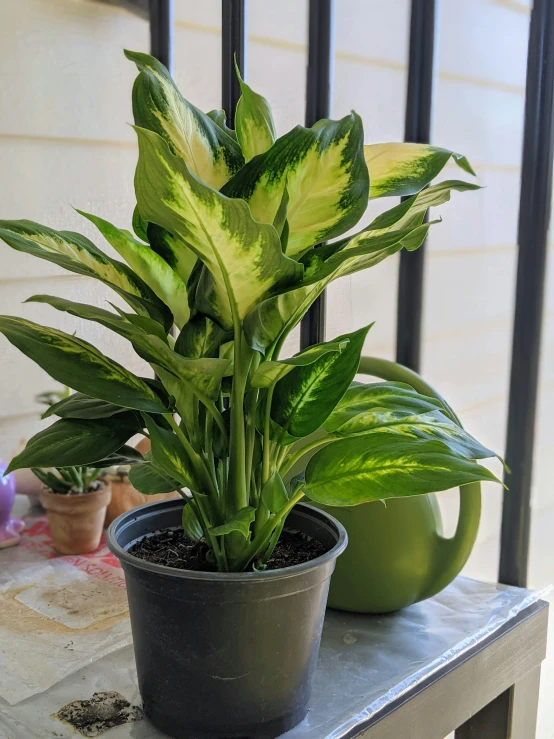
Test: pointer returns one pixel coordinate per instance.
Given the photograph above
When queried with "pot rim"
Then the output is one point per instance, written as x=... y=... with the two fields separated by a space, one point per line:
x=243 y=577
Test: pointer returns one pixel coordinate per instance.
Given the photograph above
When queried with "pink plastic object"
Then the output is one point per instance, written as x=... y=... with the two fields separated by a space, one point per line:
x=9 y=527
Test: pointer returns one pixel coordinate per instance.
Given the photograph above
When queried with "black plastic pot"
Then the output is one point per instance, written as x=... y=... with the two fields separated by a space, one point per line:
x=223 y=654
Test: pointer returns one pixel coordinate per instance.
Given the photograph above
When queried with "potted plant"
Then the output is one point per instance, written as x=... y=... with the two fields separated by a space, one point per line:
x=75 y=501
x=236 y=235
x=75 y=498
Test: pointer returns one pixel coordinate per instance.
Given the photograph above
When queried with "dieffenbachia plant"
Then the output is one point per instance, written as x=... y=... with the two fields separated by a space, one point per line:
x=236 y=233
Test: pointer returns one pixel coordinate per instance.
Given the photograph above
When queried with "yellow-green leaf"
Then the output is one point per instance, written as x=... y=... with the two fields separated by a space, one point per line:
x=150 y=267
x=210 y=153
x=243 y=256
x=404 y=169
x=325 y=174
x=253 y=121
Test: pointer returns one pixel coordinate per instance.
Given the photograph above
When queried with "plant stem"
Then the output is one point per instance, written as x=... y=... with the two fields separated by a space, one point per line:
x=197 y=462
x=236 y=484
x=292 y=459
x=266 y=474
x=262 y=539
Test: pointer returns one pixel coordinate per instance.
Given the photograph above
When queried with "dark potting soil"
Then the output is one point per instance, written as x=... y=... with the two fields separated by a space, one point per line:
x=172 y=548
x=103 y=711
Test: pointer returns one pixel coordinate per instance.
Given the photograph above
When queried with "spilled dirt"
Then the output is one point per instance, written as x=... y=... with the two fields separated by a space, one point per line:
x=96 y=715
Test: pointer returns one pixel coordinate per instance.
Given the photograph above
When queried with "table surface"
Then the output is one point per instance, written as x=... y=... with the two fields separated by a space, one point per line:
x=368 y=665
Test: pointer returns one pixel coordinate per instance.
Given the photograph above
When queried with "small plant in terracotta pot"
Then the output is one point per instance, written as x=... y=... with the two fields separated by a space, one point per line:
x=75 y=497
x=75 y=501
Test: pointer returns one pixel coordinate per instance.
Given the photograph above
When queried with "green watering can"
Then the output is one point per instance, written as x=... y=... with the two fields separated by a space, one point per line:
x=396 y=554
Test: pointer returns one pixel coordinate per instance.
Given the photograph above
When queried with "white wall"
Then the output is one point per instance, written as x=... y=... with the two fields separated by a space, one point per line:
x=64 y=140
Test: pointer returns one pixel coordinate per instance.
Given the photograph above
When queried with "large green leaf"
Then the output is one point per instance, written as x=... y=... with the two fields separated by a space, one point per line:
x=268 y=373
x=244 y=257
x=395 y=408
x=148 y=479
x=149 y=266
x=76 y=253
x=210 y=153
x=303 y=399
x=253 y=121
x=75 y=442
x=80 y=365
x=79 y=405
x=380 y=466
x=324 y=171
x=404 y=169
x=169 y=455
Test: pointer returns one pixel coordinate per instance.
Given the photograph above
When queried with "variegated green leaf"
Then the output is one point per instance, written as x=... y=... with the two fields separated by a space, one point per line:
x=210 y=153
x=303 y=400
x=140 y=227
x=80 y=365
x=150 y=267
x=200 y=338
x=268 y=373
x=172 y=250
x=326 y=177
x=380 y=466
x=199 y=377
x=404 y=169
x=395 y=408
x=169 y=455
x=77 y=254
x=79 y=405
x=253 y=121
x=411 y=212
x=273 y=319
x=240 y=522
x=148 y=479
x=243 y=256
x=73 y=442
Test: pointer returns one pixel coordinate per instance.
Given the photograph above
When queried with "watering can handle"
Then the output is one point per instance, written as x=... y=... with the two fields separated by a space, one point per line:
x=453 y=553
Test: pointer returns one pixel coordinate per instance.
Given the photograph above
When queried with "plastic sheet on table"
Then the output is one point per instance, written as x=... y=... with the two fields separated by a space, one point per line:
x=366 y=662
x=57 y=614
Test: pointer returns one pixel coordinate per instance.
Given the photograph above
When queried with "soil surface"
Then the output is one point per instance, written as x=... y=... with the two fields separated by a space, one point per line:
x=173 y=548
x=98 y=714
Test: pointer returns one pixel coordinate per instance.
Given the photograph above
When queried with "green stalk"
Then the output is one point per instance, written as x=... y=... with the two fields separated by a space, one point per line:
x=236 y=484
x=291 y=460
x=262 y=539
x=197 y=462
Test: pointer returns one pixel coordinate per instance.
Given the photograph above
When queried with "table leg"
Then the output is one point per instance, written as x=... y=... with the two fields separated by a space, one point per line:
x=512 y=715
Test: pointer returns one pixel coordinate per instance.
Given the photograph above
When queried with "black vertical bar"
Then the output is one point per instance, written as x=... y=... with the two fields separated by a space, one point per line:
x=161 y=31
x=419 y=108
x=534 y=216
x=318 y=105
x=233 y=22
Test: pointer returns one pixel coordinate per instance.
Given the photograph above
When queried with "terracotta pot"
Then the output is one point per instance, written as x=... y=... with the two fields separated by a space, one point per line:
x=125 y=497
x=76 y=521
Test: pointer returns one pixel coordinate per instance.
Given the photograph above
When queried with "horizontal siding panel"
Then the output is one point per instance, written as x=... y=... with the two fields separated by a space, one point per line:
x=64 y=72
x=483 y=40
x=280 y=75
x=373 y=28
x=483 y=123
x=467 y=290
x=286 y=20
x=22 y=379
x=41 y=181
x=197 y=66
